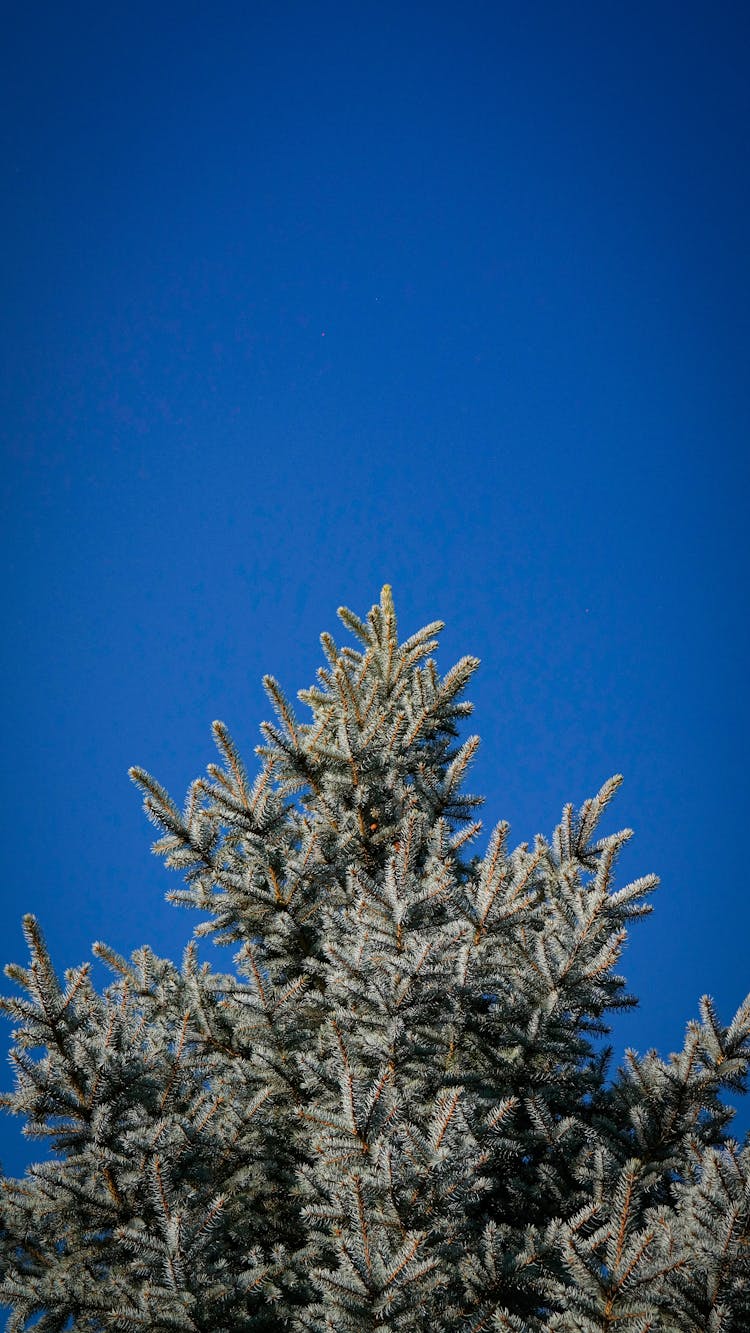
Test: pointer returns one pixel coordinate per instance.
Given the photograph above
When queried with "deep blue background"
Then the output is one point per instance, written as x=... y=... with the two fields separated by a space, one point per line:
x=298 y=299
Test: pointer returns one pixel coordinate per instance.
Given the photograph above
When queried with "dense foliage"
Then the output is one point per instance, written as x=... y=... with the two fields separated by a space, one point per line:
x=395 y=1112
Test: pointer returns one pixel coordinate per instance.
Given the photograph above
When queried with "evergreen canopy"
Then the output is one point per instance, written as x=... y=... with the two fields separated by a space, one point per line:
x=394 y=1113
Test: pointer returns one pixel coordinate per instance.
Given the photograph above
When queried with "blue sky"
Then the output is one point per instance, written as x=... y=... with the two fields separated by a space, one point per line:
x=301 y=299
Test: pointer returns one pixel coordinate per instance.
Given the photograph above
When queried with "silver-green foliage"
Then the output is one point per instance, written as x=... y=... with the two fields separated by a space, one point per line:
x=393 y=1114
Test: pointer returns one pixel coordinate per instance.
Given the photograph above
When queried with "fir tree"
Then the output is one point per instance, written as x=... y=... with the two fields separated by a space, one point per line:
x=395 y=1112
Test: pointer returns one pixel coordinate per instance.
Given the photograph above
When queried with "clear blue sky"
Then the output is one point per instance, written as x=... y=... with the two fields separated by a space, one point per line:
x=298 y=299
